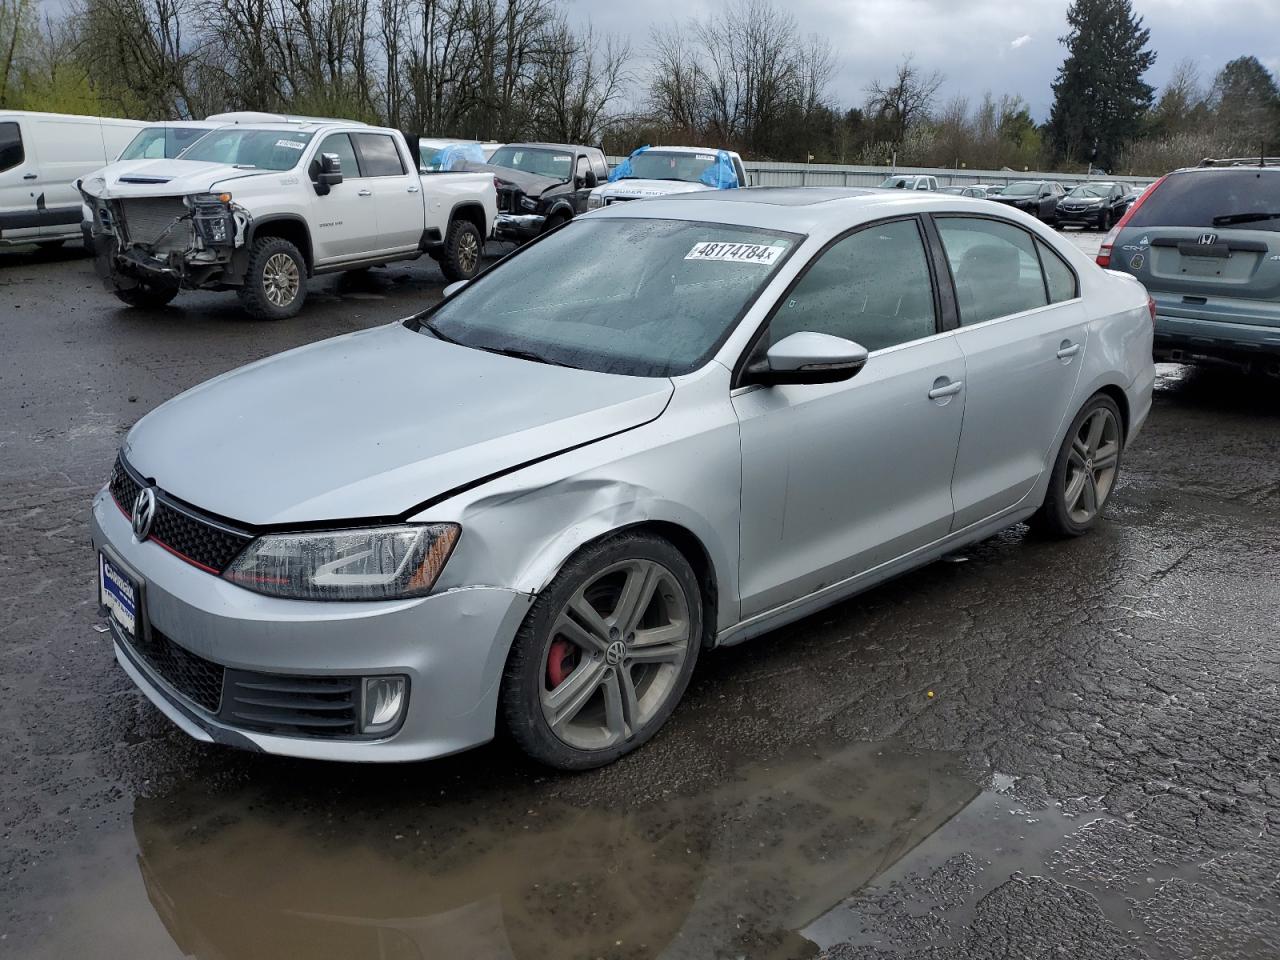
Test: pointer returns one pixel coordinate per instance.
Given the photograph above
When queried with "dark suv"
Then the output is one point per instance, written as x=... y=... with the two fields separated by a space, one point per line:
x=1037 y=197
x=1206 y=243
x=1097 y=204
x=541 y=185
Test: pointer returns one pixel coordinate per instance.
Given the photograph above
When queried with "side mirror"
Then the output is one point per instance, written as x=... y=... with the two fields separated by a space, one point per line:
x=808 y=358
x=591 y=180
x=330 y=173
x=454 y=287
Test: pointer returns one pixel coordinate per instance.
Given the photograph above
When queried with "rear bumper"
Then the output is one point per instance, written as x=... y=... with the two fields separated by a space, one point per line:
x=1189 y=339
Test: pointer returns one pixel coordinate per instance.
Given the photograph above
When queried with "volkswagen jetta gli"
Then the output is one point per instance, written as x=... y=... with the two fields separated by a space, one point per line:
x=701 y=418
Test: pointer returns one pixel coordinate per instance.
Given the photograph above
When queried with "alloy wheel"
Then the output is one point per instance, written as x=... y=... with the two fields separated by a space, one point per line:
x=468 y=252
x=1091 y=465
x=280 y=279
x=614 y=654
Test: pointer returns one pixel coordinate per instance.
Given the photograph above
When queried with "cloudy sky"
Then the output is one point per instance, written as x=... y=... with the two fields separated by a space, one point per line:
x=1001 y=45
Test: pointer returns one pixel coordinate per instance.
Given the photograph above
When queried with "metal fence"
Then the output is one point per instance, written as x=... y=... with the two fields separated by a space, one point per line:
x=770 y=174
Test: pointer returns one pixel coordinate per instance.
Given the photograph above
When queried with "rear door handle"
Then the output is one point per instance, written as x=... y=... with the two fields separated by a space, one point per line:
x=366 y=192
x=1067 y=350
x=943 y=388
x=413 y=189
x=29 y=176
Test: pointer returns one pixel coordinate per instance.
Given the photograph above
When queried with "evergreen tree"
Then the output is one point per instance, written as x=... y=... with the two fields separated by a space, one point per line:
x=1100 y=98
x=1248 y=103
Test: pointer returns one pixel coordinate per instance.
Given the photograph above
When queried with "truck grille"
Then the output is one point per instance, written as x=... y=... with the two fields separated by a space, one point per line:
x=162 y=224
x=201 y=542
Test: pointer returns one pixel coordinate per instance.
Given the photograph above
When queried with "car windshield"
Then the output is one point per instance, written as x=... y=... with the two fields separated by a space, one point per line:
x=639 y=297
x=895 y=182
x=155 y=143
x=953 y=190
x=260 y=149
x=1025 y=188
x=545 y=162
x=1090 y=191
x=670 y=165
x=1242 y=198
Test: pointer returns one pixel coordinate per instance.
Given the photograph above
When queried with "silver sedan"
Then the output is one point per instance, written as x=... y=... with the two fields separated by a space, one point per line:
x=669 y=426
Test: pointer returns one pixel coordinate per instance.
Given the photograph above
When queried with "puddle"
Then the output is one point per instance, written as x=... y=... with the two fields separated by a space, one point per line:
x=515 y=874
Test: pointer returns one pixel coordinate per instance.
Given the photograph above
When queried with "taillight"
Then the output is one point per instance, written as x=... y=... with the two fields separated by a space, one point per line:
x=1109 y=241
x=1151 y=306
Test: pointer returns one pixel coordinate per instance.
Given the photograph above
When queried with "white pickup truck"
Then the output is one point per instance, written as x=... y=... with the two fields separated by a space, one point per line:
x=262 y=207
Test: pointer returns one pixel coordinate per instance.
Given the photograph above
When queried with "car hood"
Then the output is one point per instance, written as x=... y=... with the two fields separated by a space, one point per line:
x=531 y=184
x=639 y=187
x=165 y=178
x=372 y=424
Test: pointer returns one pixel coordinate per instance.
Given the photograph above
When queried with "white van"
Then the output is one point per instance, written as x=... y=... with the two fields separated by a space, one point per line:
x=41 y=157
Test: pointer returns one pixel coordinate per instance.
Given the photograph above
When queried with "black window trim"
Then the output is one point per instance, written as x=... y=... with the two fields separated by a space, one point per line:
x=359 y=174
x=1038 y=243
x=740 y=365
x=22 y=144
x=1044 y=280
x=356 y=136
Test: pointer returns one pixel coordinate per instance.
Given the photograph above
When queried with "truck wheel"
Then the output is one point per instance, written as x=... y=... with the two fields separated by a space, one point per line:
x=146 y=295
x=462 y=249
x=275 y=283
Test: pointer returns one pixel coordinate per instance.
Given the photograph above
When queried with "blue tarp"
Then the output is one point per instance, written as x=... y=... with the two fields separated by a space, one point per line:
x=719 y=175
x=455 y=155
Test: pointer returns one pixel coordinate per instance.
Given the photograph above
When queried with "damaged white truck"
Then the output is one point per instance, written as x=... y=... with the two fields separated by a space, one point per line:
x=262 y=208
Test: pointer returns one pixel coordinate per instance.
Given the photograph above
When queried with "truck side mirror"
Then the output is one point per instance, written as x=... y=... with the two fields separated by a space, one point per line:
x=329 y=174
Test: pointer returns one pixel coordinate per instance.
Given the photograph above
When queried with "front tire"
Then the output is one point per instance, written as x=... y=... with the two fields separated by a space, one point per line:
x=275 y=282
x=463 y=248
x=605 y=653
x=1085 y=471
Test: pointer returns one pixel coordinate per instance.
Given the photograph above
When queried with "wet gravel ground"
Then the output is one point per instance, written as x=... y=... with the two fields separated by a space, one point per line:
x=1040 y=750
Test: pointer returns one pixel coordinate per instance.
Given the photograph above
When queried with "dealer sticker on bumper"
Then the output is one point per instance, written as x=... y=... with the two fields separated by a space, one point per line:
x=118 y=594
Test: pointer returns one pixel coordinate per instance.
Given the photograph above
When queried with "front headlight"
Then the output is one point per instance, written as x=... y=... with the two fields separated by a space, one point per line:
x=381 y=563
x=594 y=201
x=527 y=204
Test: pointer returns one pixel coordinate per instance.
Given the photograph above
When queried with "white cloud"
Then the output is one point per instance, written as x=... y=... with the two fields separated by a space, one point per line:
x=1021 y=41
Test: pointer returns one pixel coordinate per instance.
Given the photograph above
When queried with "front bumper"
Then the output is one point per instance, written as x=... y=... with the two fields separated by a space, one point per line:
x=1089 y=217
x=518 y=227
x=452 y=646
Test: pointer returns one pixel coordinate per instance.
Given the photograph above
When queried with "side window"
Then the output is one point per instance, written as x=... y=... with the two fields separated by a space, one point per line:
x=11 y=153
x=1060 y=278
x=339 y=143
x=378 y=155
x=995 y=267
x=872 y=287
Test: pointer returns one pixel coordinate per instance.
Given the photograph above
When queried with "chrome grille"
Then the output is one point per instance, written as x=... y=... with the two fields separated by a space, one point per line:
x=161 y=223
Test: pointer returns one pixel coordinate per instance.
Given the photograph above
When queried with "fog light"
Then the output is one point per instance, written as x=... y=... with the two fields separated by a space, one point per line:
x=382 y=703
x=218 y=231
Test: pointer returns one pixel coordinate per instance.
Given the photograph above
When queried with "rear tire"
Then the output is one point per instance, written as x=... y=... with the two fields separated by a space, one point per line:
x=605 y=653
x=463 y=248
x=146 y=296
x=1085 y=471
x=275 y=282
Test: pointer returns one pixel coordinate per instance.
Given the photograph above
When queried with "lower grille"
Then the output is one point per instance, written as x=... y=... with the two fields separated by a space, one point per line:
x=161 y=223
x=197 y=679
x=272 y=703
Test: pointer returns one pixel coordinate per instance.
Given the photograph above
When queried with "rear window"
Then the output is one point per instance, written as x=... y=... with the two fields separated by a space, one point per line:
x=1239 y=199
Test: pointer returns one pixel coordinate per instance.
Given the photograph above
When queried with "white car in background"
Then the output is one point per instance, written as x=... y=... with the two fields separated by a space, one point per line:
x=910 y=182
x=662 y=171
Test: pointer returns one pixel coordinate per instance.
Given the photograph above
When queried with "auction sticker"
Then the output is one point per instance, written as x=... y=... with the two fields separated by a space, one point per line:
x=735 y=252
x=291 y=144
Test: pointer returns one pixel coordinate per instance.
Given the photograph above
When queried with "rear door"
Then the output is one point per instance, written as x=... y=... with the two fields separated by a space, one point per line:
x=18 y=175
x=346 y=220
x=1206 y=243
x=69 y=148
x=1023 y=330
x=397 y=191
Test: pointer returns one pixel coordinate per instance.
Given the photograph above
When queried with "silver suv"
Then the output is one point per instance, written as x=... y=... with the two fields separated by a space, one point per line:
x=1206 y=243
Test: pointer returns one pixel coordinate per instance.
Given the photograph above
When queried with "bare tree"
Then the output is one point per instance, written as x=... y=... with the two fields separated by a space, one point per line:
x=575 y=82
x=905 y=100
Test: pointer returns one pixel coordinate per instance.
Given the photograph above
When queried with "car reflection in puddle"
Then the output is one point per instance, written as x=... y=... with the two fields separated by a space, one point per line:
x=738 y=869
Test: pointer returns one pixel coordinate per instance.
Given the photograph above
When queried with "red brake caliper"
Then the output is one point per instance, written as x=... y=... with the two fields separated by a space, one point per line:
x=561 y=660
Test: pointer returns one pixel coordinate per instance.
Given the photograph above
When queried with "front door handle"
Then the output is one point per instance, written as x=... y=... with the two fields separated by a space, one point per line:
x=414 y=189
x=1067 y=350
x=366 y=192
x=29 y=176
x=944 y=388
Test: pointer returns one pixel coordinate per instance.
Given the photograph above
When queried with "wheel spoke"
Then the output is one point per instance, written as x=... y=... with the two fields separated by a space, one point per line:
x=1075 y=489
x=1090 y=494
x=567 y=700
x=620 y=706
x=657 y=653
x=1080 y=449
x=1097 y=423
x=587 y=627
x=637 y=594
x=673 y=632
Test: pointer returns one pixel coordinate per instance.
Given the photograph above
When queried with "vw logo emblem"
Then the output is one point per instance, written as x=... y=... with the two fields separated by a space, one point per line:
x=614 y=653
x=144 y=512
x=1208 y=239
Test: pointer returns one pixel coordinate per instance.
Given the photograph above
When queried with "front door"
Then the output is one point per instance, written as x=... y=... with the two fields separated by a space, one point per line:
x=397 y=191
x=346 y=217
x=19 y=184
x=1023 y=332
x=840 y=478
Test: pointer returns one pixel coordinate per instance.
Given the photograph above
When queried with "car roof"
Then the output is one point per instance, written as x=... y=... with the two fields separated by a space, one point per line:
x=443 y=141
x=793 y=209
x=695 y=150
x=551 y=146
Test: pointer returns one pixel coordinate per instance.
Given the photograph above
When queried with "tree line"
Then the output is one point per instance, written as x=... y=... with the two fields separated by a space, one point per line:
x=745 y=78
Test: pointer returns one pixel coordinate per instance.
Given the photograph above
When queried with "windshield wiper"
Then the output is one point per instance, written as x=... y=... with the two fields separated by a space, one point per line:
x=1244 y=218
x=430 y=326
x=526 y=355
